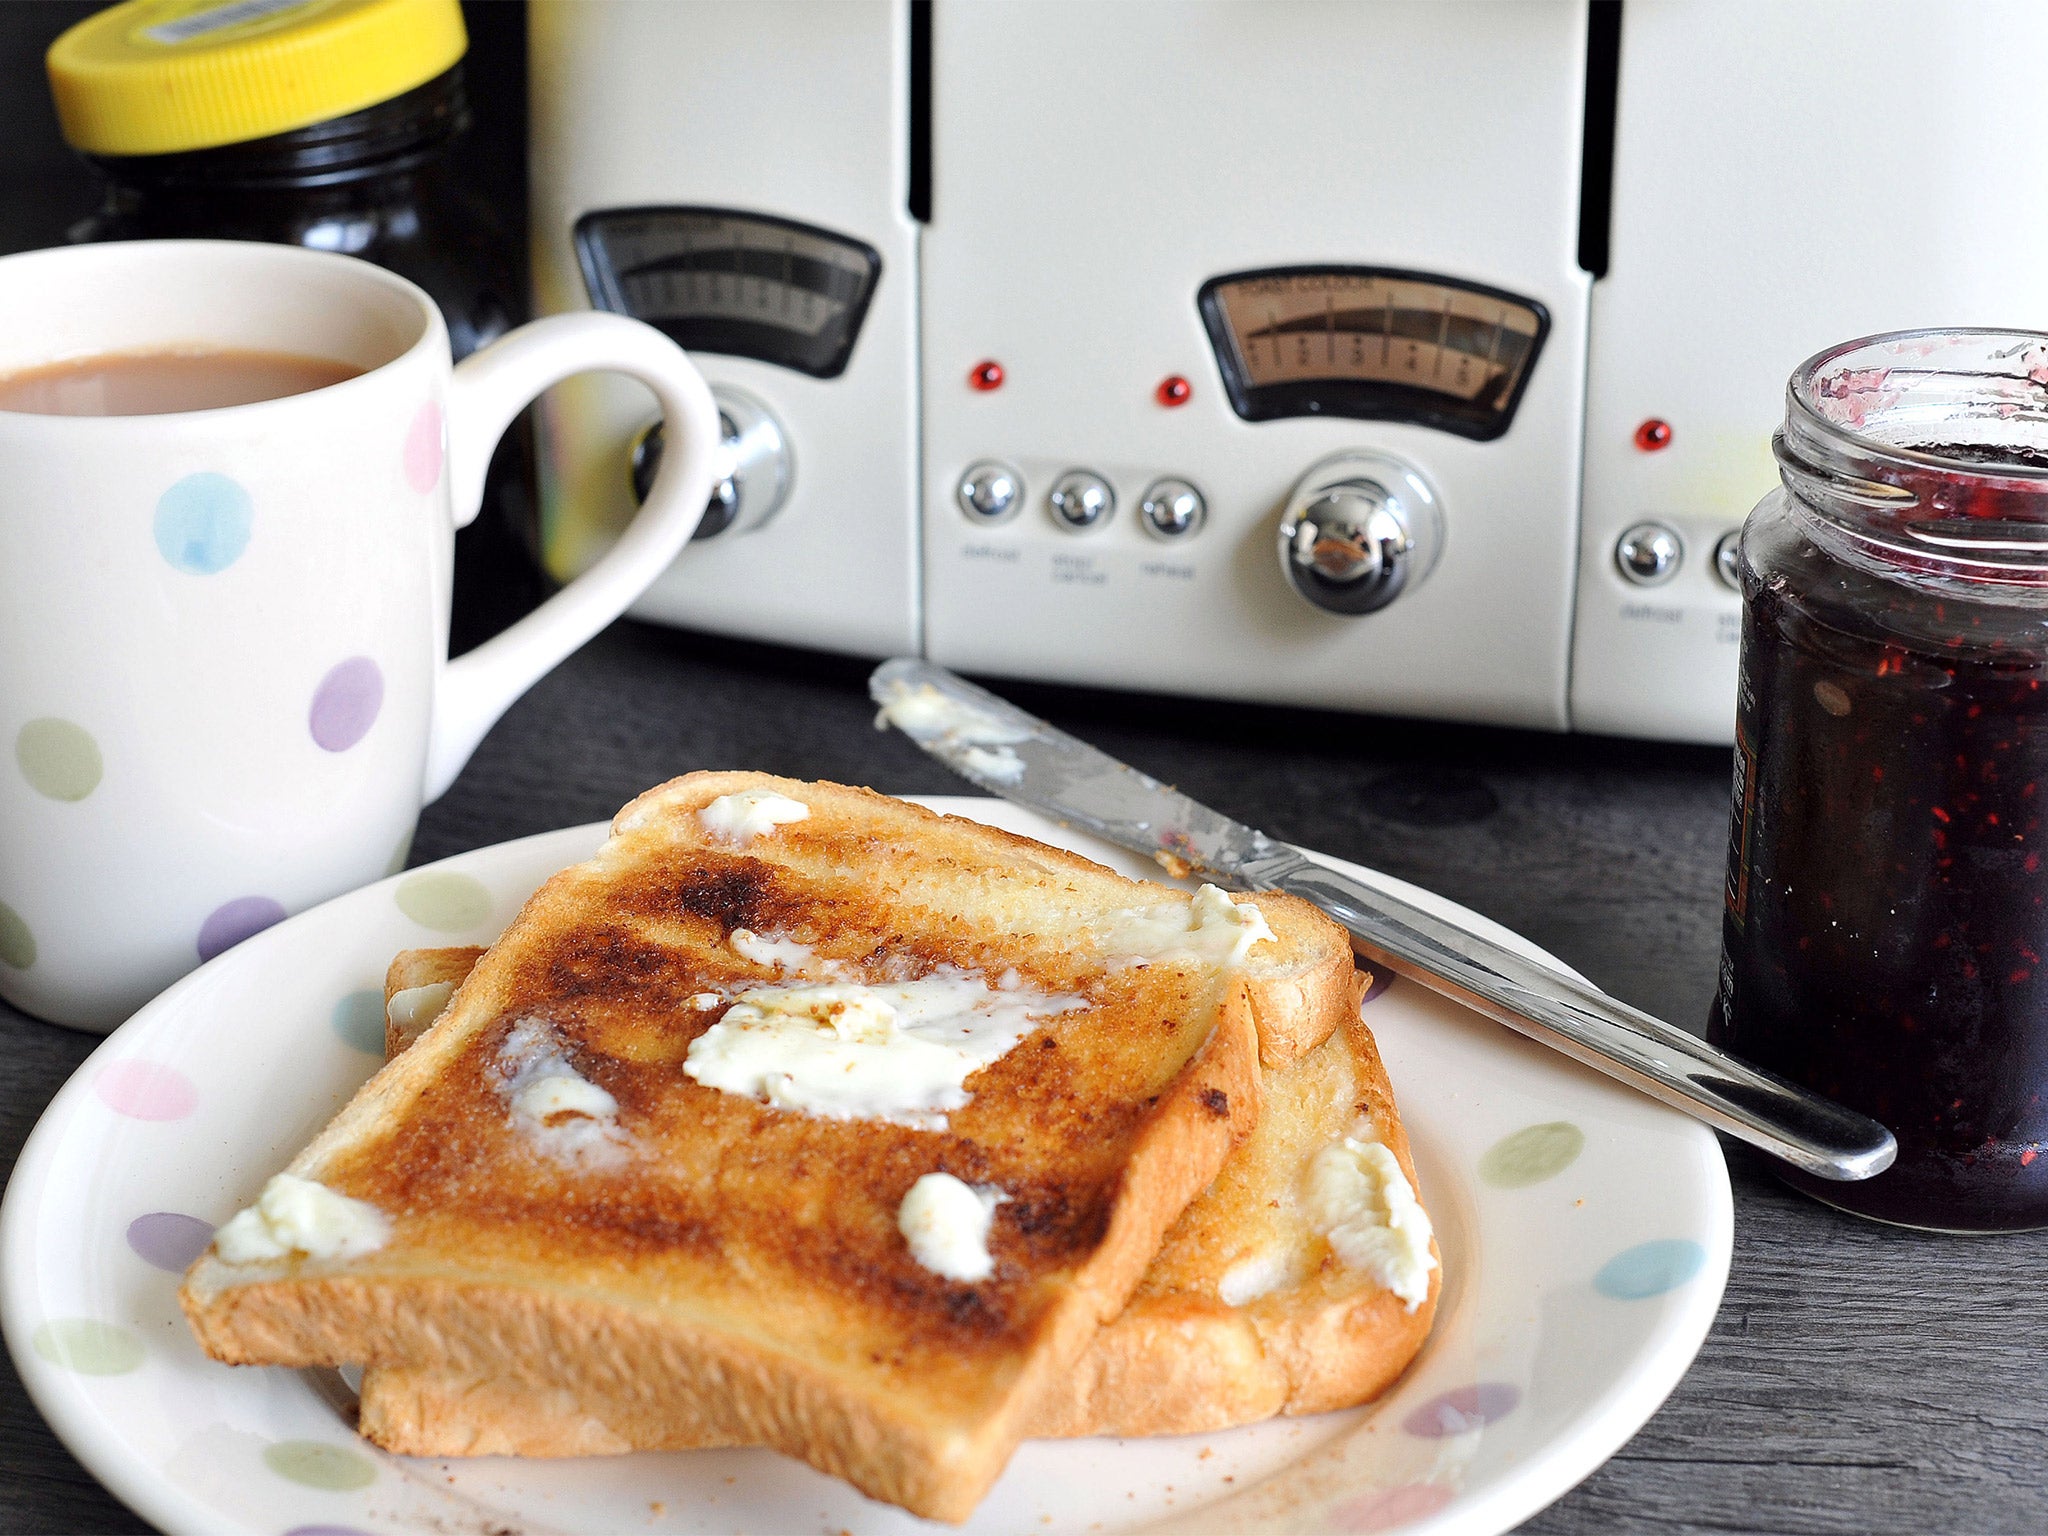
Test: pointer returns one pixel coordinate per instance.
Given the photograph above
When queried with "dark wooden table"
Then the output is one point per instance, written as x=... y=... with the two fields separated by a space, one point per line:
x=1858 y=1379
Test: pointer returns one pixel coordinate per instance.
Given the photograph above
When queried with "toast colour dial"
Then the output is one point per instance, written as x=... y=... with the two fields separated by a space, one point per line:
x=1373 y=344
x=721 y=280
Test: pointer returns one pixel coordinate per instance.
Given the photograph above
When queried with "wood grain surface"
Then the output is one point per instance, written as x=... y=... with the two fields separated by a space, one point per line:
x=1858 y=1379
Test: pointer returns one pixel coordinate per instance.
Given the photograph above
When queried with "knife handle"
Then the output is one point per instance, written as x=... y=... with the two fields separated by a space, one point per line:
x=1810 y=1132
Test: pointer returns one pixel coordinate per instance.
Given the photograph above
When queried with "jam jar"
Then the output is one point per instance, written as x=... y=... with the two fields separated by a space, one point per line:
x=1886 y=920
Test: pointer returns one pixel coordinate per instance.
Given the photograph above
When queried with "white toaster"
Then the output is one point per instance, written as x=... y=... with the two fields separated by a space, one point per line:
x=1412 y=356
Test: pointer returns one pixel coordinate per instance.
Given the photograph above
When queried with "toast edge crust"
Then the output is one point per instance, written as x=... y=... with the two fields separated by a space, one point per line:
x=1295 y=1014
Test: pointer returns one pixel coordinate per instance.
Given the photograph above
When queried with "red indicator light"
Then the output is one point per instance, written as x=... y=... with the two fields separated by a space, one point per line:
x=986 y=376
x=1174 y=390
x=1653 y=434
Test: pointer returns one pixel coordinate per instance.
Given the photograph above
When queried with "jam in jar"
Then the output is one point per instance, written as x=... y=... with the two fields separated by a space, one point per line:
x=1886 y=921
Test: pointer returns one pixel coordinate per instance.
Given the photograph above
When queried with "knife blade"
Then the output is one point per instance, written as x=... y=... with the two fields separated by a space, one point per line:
x=1012 y=753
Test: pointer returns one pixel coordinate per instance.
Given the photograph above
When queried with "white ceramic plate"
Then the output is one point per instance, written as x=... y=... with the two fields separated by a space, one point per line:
x=1585 y=1235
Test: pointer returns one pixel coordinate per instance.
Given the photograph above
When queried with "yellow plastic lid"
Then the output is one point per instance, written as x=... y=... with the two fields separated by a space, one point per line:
x=155 y=77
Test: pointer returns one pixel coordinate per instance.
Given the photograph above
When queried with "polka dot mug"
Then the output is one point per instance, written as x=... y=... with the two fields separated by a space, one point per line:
x=224 y=684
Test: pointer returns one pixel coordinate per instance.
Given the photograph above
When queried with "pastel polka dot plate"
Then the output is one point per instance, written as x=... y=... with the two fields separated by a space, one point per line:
x=1585 y=1231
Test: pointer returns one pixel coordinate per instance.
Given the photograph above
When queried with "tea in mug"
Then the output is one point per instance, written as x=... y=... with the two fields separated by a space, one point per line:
x=160 y=382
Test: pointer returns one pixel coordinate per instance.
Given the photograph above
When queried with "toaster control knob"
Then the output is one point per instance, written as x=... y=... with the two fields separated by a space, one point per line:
x=755 y=483
x=1360 y=529
x=990 y=492
x=1081 y=499
x=1649 y=554
x=1173 y=509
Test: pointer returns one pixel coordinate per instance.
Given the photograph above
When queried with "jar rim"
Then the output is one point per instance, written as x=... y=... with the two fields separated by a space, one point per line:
x=1802 y=395
x=1927 y=450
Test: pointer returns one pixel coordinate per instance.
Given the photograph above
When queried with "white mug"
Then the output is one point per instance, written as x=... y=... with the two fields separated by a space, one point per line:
x=224 y=684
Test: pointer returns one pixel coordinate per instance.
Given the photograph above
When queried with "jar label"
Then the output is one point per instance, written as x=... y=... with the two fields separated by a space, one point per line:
x=1741 y=815
x=218 y=18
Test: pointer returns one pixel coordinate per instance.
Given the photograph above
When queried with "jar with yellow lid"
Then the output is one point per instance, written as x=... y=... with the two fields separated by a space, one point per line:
x=321 y=123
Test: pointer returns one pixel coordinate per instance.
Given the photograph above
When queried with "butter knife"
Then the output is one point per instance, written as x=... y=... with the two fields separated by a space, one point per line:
x=1010 y=753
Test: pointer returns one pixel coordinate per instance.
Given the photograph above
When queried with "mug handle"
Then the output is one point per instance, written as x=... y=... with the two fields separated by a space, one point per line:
x=487 y=391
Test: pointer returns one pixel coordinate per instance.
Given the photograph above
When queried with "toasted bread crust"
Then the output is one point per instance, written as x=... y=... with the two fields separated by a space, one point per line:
x=650 y=1284
x=423 y=968
x=431 y=1411
x=1298 y=1010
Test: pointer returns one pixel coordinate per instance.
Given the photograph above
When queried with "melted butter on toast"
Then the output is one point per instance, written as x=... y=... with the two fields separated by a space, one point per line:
x=946 y=1224
x=299 y=1216
x=776 y=954
x=411 y=1010
x=561 y=1113
x=1362 y=1203
x=1211 y=929
x=897 y=1051
x=1253 y=1234
x=742 y=817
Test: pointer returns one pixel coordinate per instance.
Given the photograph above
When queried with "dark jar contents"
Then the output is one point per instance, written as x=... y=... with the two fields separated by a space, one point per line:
x=374 y=183
x=1887 y=906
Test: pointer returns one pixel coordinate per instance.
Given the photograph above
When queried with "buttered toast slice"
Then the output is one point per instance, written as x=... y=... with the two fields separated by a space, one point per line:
x=1304 y=1279
x=1258 y=1303
x=798 y=1116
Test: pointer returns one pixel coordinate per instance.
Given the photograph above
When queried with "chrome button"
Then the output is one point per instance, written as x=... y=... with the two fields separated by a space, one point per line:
x=1649 y=554
x=1173 y=509
x=1081 y=499
x=990 y=492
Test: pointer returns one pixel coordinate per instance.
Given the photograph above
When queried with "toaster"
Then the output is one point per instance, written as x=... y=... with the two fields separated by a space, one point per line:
x=1409 y=356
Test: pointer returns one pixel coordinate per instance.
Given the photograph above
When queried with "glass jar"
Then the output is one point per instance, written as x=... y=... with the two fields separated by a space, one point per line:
x=1886 y=917
x=372 y=183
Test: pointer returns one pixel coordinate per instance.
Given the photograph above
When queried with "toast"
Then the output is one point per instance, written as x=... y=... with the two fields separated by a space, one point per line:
x=1179 y=1359
x=1253 y=1306
x=666 y=1147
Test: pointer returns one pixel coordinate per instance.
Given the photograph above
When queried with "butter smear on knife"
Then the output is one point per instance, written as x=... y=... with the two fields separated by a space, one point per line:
x=971 y=739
